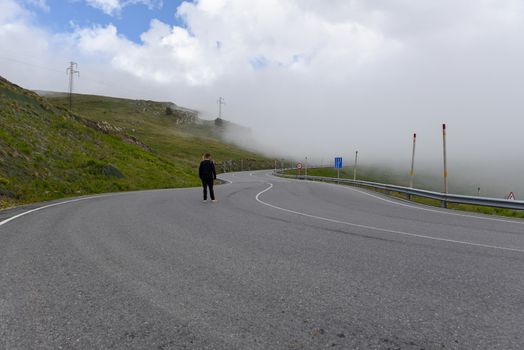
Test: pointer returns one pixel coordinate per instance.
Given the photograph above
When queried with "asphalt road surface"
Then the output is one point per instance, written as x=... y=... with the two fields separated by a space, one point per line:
x=275 y=264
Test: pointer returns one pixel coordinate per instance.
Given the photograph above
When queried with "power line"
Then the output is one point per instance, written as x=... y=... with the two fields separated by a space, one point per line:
x=29 y=64
x=127 y=90
x=99 y=82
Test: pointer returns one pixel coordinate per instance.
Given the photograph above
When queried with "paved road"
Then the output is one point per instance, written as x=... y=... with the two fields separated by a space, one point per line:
x=275 y=264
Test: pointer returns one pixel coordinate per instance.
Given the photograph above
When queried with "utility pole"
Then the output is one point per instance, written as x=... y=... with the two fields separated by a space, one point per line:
x=220 y=103
x=71 y=71
x=412 y=172
x=355 y=168
x=444 y=204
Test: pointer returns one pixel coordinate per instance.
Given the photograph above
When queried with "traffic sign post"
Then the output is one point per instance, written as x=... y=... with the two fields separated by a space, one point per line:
x=338 y=165
x=299 y=167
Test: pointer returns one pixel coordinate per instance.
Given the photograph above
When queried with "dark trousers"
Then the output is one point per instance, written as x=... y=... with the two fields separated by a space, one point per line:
x=208 y=183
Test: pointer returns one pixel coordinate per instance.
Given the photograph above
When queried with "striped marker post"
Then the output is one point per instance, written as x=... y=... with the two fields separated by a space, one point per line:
x=412 y=172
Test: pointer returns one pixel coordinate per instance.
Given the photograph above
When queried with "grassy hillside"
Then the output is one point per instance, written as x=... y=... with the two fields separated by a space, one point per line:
x=47 y=152
x=178 y=136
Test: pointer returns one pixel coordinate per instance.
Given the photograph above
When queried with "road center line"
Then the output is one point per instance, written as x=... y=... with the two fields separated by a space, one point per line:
x=257 y=197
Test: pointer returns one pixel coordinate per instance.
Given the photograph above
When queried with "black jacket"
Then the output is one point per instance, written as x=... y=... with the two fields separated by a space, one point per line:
x=206 y=171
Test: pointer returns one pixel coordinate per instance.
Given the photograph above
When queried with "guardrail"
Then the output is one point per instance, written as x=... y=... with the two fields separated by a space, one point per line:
x=442 y=197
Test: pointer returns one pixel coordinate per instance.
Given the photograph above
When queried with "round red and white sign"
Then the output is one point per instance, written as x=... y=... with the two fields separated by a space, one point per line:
x=299 y=165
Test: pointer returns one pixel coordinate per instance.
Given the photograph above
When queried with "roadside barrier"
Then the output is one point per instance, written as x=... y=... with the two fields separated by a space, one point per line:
x=442 y=197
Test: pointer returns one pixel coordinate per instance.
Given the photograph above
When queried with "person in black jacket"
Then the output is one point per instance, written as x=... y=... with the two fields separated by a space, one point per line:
x=207 y=174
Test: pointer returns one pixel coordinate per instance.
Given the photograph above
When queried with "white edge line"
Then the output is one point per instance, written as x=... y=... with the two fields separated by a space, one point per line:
x=229 y=182
x=53 y=205
x=86 y=198
x=437 y=211
x=73 y=201
x=257 y=197
x=419 y=207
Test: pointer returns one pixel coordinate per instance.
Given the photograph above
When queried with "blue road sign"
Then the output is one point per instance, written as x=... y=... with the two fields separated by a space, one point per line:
x=338 y=162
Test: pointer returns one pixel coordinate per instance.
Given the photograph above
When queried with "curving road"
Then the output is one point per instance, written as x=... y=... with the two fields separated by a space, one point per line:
x=275 y=264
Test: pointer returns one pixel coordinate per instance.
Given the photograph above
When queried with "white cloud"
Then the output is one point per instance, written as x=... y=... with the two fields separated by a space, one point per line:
x=108 y=6
x=11 y=12
x=113 y=7
x=15 y=29
x=41 y=4
x=223 y=37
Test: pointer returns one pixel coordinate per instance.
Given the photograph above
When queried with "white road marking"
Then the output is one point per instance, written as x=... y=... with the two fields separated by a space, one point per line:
x=77 y=200
x=449 y=212
x=257 y=197
x=229 y=182
x=435 y=210
x=51 y=205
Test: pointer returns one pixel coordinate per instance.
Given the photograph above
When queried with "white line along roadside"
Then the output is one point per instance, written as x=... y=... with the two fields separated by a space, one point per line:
x=257 y=197
x=435 y=210
x=229 y=182
x=52 y=205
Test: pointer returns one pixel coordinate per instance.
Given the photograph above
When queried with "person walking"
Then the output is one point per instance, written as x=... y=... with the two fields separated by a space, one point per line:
x=207 y=174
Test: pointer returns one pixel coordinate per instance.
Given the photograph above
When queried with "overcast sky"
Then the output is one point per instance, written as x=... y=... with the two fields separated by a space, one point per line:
x=312 y=78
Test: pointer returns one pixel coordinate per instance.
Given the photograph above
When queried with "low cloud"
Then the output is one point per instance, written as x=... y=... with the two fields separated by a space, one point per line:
x=314 y=80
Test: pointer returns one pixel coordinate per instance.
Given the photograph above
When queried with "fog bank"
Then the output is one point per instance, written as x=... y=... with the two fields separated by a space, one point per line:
x=312 y=80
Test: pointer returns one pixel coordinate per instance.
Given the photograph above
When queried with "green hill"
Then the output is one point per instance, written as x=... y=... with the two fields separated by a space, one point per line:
x=168 y=130
x=106 y=145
